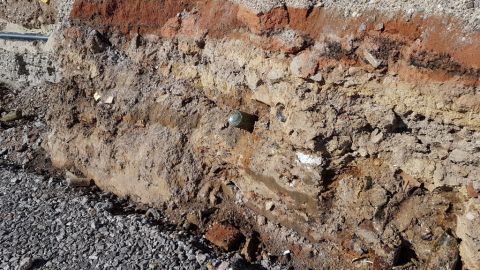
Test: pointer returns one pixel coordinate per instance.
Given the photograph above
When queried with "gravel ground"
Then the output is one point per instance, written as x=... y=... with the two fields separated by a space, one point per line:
x=44 y=224
x=467 y=11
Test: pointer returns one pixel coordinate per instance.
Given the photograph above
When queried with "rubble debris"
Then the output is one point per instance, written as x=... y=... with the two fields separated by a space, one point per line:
x=471 y=191
x=379 y=27
x=76 y=181
x=280 y=113
x=269 y=205
x=96 y=42
x=304 y=64
x=26 y=263
x=250 y=249
x=318 y=77
x=476 y=3
x=408 y=181
x=309 y=160
x=446 y=254
x=153 y=213
x=108 y=100
x=97 y=96
x=362 y=27
x=261 y=220
x=467 y=231
x=11 y=116
x=372 y=60
x=226 y=237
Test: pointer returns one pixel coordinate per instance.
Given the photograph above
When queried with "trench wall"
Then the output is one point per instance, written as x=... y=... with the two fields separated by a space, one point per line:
x=365 y=114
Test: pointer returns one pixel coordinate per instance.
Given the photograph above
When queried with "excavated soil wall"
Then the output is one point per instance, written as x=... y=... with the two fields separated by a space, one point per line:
x=367 y=145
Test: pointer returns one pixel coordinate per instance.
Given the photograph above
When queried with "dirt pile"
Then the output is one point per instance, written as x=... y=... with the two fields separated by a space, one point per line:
x=366 y=149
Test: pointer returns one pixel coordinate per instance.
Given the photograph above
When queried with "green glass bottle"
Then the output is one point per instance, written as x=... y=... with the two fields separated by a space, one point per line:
x=242 y=120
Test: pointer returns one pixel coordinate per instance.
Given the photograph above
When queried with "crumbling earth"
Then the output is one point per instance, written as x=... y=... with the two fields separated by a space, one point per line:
x=366 y=149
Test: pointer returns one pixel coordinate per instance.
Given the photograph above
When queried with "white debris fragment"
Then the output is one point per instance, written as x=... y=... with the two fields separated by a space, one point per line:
x=75 y=181
x=310 y=160
x=97 y=96
x=317 y=77
x=372 y=59
x=109 y=100
x=269 y=205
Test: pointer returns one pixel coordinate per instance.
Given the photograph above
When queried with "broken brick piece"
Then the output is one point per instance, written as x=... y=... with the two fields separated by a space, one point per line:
x=224 y=236
x=471 y=191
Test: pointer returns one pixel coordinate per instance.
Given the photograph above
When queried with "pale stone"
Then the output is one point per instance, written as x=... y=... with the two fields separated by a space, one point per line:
x=304 y=65
x=310 y=160
x=372 y=60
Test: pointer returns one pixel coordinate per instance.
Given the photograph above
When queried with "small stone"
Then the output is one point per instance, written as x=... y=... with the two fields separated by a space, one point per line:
x=201 y=258
x=376 y=136
x=476 y=3
x=14 y=180
x=289 y=41
x=223 y=266
x=471 y=191
x=253 y=81
x=362 y=152
x=94 y=72
x=459 y=156
x=213 y=198
x=317 y=77
x=262 y=94
x=269 y=206
x=372 y=60
x=304 y=65
x=261 y=220
x=280 y=114
x=97 y=96
x=358 y=248
x=379 y=27
x=108 y=100
x=362 y=27
x=153 y=213
x=75 y=181
x=377 y=196
x=26 y=263
x=275 y=75
x=11 y=116
x=439 y=173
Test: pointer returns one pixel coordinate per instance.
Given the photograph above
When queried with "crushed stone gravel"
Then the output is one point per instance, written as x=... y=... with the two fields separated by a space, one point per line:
x=45 y=224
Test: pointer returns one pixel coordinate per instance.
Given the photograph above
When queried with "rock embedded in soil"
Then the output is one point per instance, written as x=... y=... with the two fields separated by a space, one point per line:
x=304 y=65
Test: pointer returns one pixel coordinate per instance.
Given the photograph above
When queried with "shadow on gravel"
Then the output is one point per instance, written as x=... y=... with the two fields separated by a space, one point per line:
x=37 y=264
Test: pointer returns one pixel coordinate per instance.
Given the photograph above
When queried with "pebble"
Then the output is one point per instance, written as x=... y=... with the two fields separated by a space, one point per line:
x=26 y=263
x=74 y=227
